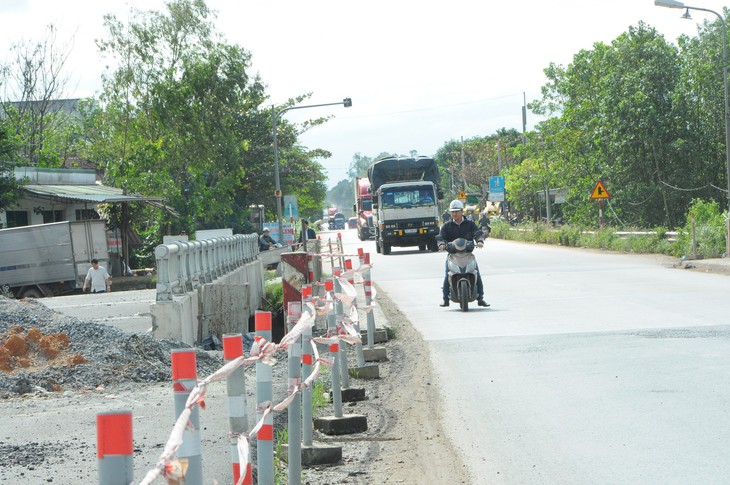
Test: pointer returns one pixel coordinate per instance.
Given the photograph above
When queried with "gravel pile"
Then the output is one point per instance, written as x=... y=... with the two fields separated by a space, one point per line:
x=113 y=355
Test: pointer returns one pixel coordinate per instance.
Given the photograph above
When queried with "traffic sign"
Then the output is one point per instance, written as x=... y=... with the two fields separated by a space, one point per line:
x=462 y=195
x=600 y=192
x=496 y=189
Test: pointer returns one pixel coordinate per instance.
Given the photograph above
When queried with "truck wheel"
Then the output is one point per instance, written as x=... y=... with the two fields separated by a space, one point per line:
x=433 y=246
x=421 y=247
x=386 y=248
x=32 y=292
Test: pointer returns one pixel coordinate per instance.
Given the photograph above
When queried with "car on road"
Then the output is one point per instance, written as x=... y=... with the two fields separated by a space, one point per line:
x=352 y=223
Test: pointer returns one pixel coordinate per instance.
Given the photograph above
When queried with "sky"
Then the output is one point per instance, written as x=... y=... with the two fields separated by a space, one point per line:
x=419 y=73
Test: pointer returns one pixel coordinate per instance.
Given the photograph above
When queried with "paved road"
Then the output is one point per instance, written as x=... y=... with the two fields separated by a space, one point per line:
x=128 y=310
x=588 y=367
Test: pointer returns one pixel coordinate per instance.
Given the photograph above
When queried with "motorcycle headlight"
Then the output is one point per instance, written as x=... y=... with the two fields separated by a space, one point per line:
x=472 y=266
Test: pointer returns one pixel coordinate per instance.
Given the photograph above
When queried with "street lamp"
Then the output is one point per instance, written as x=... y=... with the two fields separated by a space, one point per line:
x=676 y=4
x=347 y=102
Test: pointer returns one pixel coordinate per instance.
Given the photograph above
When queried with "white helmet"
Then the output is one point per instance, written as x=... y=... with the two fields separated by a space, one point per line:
x=456 y=205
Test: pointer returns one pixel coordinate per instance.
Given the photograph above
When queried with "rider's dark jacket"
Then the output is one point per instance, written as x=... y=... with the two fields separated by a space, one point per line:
x=451 y=230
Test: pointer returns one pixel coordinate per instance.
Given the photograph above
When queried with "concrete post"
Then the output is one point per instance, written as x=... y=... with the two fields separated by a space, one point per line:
x=264 y=393
x=114 y=448
x=307 y=364
x=368 y=285
x=336 y=385
x=237 y=419
x=184 y=379
x=356 y=324
x=339 y=315
x=294 y=411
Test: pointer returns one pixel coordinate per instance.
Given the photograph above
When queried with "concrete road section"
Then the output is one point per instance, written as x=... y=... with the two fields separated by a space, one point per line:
x=589 y=367
x=128 y=310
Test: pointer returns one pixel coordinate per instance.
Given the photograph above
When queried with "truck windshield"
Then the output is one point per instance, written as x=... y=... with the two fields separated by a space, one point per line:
x=408 y=197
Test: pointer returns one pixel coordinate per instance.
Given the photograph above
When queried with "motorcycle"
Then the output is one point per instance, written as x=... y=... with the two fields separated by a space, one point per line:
x=462 y=272
x=485 y=228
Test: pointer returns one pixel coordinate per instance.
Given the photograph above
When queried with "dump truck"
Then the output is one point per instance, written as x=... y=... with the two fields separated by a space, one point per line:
x=50 y=259
x=364 y=209
x=405 y=202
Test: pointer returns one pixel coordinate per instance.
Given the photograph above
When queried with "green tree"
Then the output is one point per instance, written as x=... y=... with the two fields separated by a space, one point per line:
x=184 y=119
x=9 y=186
x=43 y=124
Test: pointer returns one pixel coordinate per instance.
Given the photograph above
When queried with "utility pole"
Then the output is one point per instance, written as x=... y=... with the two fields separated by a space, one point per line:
x=463 y=166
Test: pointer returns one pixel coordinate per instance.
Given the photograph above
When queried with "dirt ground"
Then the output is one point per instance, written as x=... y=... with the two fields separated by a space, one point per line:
x=50 y=437
x=405 y=442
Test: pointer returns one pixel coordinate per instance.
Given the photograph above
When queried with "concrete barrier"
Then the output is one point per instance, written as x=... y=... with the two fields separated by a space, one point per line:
x=209 y=287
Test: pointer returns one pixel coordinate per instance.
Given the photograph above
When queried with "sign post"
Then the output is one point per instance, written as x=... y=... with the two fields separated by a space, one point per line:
x=496 y=190
x=600 y=193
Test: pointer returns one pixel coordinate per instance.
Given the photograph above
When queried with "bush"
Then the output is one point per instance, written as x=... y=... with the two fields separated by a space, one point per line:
x=570 y=236
x=709 y=230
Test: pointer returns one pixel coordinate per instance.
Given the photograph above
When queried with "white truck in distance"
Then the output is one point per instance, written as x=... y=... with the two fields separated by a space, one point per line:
x=405 y=193
x=50 y=259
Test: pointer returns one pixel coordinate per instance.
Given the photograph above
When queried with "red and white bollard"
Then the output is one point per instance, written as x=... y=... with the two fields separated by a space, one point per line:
x=237 y=418
x=114 y=447
x=368 y=286
x=264 y=392
x=307 y=363
x=184 y=379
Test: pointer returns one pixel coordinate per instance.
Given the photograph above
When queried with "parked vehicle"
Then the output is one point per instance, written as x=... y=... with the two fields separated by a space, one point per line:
x=364 y=209
x=405 y=193
x=50 y=259
x=462 y=272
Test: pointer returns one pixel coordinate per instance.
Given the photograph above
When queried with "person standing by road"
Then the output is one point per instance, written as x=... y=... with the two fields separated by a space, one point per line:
x=97 y=278
x=459 y=227
x=307 y=232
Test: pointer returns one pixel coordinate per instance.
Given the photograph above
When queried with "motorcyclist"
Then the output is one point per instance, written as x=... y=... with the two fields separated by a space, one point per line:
x=266 y=242
x=455 y=228
x=484 y=224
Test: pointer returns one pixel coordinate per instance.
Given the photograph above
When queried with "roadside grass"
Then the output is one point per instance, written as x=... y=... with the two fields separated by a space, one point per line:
x=709 y=238
x=706 y=233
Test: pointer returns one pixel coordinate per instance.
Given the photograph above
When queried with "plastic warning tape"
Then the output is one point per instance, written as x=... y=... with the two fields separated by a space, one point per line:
x=263 y=351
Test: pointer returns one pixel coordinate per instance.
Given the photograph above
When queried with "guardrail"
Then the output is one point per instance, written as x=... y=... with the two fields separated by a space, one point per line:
x=183 y=266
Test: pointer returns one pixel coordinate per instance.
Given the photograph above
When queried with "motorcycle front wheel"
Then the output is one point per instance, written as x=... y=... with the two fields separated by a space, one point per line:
x=464 y=293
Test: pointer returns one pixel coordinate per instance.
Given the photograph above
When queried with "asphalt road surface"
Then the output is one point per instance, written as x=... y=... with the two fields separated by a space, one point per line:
x=588 y=367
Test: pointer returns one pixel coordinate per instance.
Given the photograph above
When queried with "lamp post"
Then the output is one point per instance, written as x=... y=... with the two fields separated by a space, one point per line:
x=347 y=102
x=676 y=4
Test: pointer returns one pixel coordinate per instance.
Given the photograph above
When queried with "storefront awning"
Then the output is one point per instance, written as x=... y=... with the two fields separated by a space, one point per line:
x=95 y=194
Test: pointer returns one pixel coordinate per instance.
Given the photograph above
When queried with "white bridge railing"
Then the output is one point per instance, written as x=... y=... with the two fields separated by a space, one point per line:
x=183 y=266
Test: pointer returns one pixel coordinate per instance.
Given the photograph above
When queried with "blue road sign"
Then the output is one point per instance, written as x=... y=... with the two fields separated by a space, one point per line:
x=496 y=189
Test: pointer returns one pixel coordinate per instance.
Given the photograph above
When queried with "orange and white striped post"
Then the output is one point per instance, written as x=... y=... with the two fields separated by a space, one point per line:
x=236 y=390
x=341 y=249
x=358 y=346
x=368 y=285
x=307 y=363
x=114 y=447
x=184 y=379
x=264 y=393
x=339 y=316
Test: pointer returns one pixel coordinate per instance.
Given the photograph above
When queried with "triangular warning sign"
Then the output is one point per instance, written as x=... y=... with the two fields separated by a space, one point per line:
x=600 y=192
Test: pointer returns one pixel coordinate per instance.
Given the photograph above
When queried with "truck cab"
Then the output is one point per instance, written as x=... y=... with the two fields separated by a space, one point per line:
x=364 y=209
x=406 y=191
